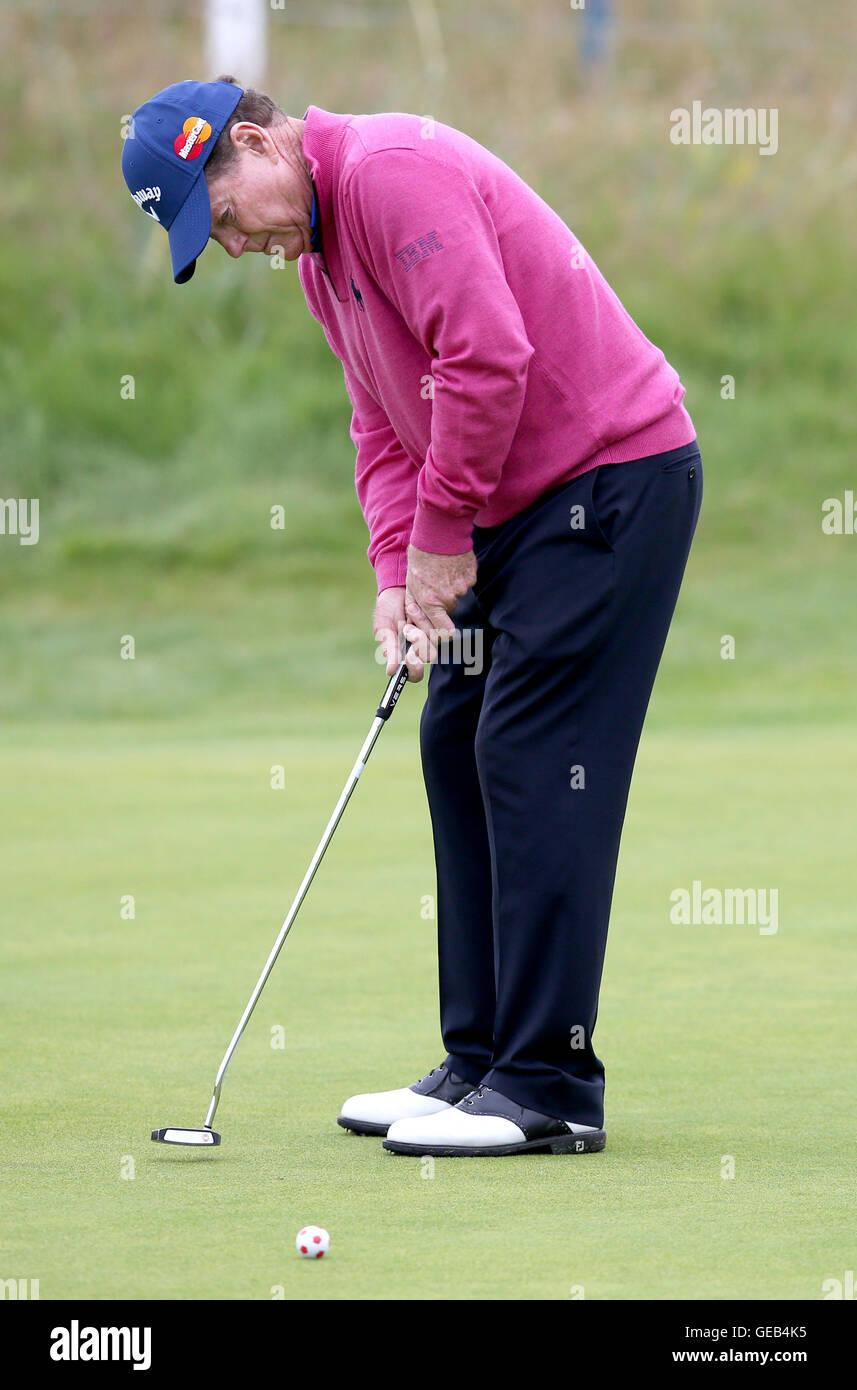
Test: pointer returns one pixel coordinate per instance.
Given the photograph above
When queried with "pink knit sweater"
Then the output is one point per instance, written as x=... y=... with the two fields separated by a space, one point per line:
x=486 y=357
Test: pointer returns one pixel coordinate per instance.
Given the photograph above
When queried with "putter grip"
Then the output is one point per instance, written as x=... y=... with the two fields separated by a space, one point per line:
x=393 y=691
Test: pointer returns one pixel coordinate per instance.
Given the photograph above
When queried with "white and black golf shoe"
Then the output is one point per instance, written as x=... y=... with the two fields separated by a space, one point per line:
x=487 y=1125
x=374 y=1113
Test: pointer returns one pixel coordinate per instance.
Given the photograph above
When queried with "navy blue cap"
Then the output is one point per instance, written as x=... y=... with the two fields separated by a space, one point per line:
x=163 y=161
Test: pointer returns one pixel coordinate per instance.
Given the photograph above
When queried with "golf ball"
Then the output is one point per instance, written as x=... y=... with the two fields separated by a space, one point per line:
x=312 y=1242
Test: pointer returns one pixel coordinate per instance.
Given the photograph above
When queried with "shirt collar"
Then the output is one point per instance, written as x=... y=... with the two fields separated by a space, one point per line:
x=315 y=223
x=323 y=133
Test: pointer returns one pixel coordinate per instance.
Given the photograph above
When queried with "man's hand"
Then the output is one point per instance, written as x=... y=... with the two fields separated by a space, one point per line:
x=421 y=611
x=435 y=583
x=388 y=625
x=391 y=625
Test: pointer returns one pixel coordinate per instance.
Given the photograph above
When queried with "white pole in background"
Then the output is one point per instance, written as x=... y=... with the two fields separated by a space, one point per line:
x=427 y=24
x=236 y=39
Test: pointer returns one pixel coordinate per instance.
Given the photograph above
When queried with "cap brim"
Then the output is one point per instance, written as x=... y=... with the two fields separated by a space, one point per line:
x=190 y=231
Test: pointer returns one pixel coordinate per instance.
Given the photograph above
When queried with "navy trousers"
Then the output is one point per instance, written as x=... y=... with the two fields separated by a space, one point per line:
x=528 y=764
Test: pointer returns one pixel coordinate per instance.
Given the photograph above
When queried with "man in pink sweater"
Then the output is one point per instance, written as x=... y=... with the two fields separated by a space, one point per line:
x=531 y=484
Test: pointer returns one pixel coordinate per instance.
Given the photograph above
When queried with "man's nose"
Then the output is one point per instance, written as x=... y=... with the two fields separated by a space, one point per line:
x=235 y=242
x=232 y=241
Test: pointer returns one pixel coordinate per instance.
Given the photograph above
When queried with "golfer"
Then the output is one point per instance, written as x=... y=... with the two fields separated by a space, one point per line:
x=531 y=483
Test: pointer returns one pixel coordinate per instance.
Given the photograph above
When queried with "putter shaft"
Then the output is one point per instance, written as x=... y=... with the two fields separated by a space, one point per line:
x=394 y=689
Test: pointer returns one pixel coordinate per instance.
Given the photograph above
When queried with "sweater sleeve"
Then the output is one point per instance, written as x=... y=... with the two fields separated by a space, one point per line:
x=430 y=242
x=386 y=480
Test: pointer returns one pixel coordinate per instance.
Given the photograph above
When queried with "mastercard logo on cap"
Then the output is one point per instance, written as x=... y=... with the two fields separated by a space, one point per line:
x=195 y=132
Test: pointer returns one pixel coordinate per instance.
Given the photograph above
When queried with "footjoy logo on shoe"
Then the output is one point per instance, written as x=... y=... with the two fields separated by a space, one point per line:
x=76 y=1343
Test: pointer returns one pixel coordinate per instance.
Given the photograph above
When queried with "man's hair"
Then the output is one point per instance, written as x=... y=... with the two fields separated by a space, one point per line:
x=252 y=106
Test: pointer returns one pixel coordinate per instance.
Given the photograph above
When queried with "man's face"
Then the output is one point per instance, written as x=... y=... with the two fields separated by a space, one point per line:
x=262 y=201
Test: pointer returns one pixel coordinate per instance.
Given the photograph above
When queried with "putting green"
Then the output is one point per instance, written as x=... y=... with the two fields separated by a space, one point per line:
x=720 y=1042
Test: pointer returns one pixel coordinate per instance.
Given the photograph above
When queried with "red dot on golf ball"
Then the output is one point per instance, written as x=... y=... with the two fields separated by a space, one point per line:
x=312 y=1242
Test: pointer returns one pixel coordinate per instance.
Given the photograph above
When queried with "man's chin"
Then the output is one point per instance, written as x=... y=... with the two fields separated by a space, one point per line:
x=278 y=245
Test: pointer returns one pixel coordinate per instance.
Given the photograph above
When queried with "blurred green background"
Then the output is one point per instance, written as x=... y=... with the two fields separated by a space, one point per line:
x=155 y=511
x=253 y=649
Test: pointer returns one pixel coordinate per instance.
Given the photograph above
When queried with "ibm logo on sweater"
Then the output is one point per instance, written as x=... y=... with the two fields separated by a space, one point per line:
x=419 y=250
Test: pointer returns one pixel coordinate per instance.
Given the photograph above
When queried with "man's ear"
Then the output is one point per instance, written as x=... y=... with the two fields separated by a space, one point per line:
x=244 y=135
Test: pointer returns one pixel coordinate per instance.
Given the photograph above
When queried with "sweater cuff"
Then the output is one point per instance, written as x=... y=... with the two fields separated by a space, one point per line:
x=439 y=532
x=391 y=570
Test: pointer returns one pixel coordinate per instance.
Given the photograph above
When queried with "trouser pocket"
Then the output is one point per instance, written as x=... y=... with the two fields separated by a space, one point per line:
x=676 y=459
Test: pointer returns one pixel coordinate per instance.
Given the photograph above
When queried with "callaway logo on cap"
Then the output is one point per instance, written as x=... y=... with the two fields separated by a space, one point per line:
x=163 y=161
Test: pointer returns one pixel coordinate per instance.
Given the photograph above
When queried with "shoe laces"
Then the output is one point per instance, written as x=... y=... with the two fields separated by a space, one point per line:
x=478 y=1094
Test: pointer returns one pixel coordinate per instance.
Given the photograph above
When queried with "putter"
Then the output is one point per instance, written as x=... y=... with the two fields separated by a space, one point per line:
x=207 y=1136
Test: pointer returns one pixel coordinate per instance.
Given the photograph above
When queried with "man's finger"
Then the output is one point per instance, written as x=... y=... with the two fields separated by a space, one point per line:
x=438 y=619
x=393 y=652
x=414 y=659
x=388 y=640
x=431 y=617
x=423 y=643
x=415 y=612
x=415 y=667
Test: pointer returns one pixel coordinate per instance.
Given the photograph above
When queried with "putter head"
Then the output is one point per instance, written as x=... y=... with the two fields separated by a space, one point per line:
x=186 y=1136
